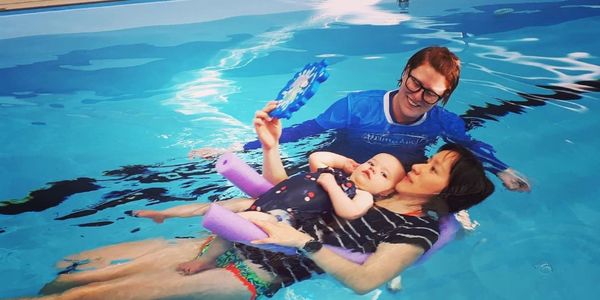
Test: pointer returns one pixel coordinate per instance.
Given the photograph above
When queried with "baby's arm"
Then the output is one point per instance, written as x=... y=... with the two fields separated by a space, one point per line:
x=192 y=210
x=268 y=130
x=342 y=204
x=322 y=159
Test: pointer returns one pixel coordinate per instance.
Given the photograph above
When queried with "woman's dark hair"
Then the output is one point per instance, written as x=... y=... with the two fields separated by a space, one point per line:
x=468 y=184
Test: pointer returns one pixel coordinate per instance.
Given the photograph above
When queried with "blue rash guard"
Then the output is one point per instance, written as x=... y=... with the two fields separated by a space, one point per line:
x=365 y=126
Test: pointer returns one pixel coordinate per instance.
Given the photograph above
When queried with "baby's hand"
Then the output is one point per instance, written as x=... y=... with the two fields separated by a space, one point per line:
x=326 y=179
x=350 y=165
x=156 y=216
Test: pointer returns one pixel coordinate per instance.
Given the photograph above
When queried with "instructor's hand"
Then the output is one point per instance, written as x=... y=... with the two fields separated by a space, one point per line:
x=514 y=181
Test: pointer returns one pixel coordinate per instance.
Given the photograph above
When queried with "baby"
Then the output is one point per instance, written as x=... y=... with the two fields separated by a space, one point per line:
x=325 y=188
x=328 y=187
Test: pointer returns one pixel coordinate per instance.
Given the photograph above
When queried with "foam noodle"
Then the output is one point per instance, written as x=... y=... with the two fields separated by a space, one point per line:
x=242 y=175
x=448 y=228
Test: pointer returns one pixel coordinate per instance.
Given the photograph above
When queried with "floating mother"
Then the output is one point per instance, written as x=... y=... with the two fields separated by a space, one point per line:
x=396 y=230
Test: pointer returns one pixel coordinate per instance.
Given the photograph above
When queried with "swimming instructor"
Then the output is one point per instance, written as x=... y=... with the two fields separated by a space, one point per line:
x=404 y=121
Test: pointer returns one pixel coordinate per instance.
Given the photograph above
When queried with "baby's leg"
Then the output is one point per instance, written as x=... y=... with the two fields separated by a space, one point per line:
x=256 y=215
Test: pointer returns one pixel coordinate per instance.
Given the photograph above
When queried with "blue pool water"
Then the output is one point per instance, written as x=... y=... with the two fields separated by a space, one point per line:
x=99 y=106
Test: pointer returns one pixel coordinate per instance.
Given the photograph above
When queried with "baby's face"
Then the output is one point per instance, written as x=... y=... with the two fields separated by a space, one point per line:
x=379 y=174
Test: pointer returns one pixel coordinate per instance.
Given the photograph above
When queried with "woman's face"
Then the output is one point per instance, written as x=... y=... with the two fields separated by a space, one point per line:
x=429 y=178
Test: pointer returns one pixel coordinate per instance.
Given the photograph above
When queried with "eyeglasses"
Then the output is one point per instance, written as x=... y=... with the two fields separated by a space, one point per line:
x=413 y=85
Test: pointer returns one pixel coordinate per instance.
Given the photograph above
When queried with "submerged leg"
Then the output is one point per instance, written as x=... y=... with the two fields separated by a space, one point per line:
x=217 y=284
x=215 y=247
x=105 y=256
x=165 y=257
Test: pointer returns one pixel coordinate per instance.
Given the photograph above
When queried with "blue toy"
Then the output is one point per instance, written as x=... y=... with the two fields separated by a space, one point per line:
x=299 y=89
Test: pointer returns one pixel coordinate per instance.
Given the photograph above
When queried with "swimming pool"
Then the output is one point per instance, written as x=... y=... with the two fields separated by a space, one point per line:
x=100 y=105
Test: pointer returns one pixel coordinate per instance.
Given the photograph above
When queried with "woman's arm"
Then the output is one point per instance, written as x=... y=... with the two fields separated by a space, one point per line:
x=388 y=260
x=268 y=131
x=343 y=206
x=192 y=210
x=323 y=159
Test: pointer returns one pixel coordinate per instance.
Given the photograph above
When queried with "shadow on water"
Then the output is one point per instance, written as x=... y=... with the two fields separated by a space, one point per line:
x=489 y=18
x=150 y=68
x=477 y=115
x=183 y=175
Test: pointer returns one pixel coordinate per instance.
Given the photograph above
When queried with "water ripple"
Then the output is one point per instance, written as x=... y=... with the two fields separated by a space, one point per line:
x=558 y=66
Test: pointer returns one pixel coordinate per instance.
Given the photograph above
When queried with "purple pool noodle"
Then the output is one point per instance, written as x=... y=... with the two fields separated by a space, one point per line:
x=355 y=257
x=235 y=228
x=232 y=227
x=242 y=175
x=448 y=228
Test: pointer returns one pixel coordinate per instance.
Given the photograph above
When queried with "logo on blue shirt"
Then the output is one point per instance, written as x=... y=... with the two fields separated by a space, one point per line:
x=393 y=139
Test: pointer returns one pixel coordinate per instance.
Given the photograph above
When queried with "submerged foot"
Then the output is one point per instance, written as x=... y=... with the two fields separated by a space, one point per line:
x=193 y=267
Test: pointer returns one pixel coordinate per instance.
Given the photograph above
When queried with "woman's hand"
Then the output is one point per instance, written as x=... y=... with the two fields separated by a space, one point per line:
x=268 y=129
x=281 y=234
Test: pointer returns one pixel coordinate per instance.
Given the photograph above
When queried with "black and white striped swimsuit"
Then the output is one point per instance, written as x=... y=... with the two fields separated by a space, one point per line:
x=377 y=226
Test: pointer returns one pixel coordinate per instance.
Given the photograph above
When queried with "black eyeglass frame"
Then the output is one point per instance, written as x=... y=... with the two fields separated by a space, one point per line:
x=421 y=87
